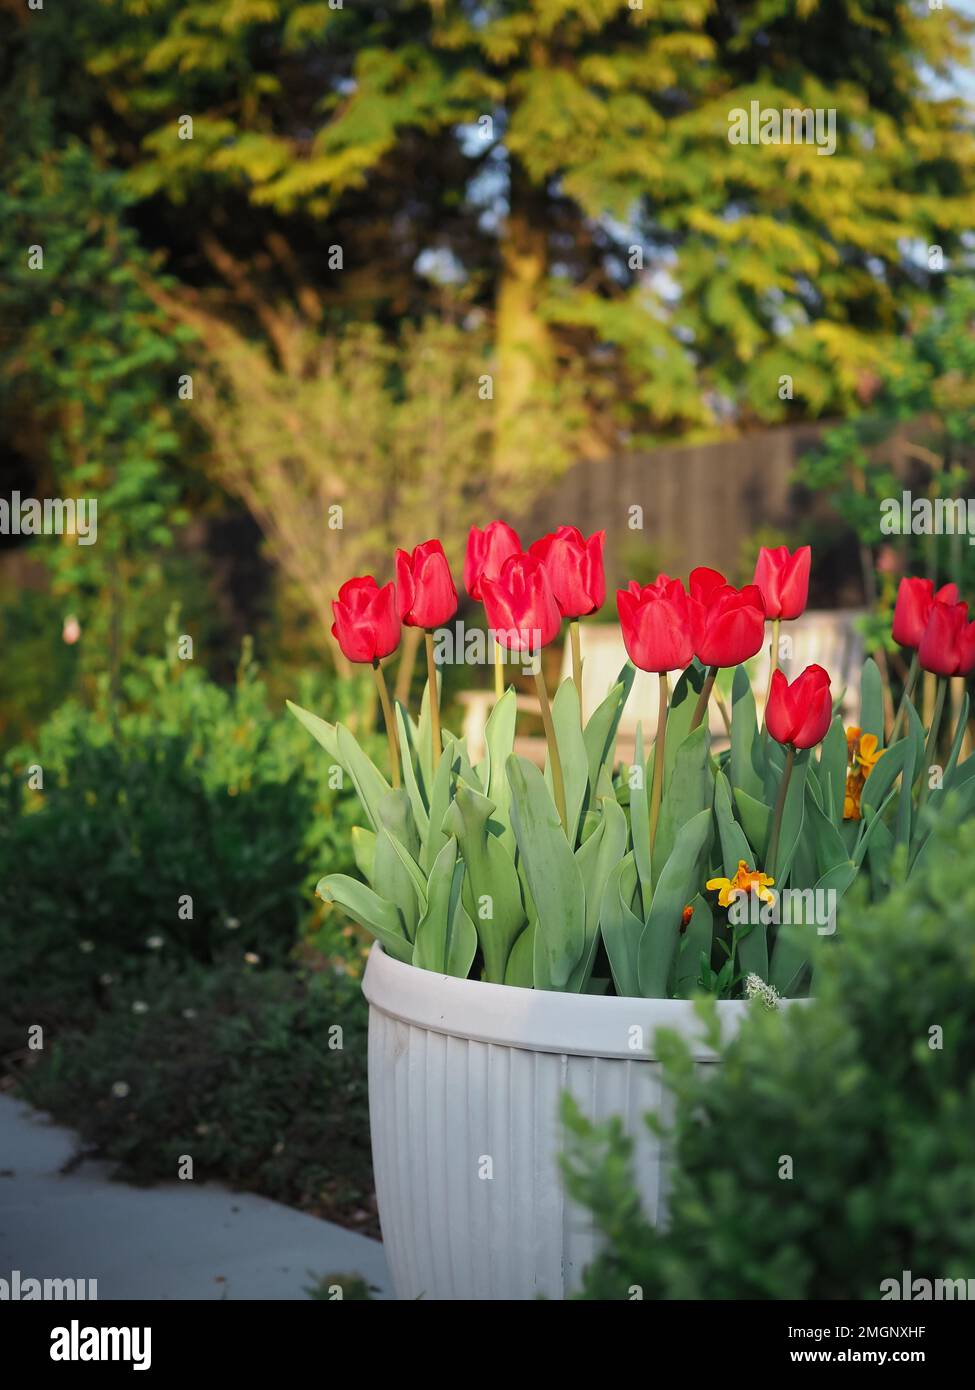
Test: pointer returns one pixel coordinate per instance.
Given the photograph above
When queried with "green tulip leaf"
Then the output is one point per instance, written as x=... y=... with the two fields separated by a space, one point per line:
x=572 y=753
x=695 y=941
x=520 y=970
x=831 y=770
x=601 y=729
x=640 y=820
x=398 y=879
x=493 y=892
x=436 y=836
x=366 y=907
x=553 y=875
x=676 y=885
x=499 y=739
x=414 y=791
x=596 y=859
x=620 y=927
x=683 y=703
x=370 y=785
x=756 y=821
x=364 y=850
x=872 y=701
x=746 y=745
x=689 y=791
x=320 y=729
x=445 y=937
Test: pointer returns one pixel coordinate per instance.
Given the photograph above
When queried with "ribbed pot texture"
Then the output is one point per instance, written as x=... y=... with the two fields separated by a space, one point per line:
x=465 y=1081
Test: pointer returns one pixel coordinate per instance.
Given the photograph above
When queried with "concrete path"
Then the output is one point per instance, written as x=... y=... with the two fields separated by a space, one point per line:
x=176 y=1241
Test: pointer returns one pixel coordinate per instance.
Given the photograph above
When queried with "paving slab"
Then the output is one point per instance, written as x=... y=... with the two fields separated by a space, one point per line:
x=183 y=1240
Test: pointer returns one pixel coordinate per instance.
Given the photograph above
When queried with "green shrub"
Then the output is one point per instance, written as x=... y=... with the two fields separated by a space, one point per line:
x=192 y=792
x=875 y=1108
x=235 y=1067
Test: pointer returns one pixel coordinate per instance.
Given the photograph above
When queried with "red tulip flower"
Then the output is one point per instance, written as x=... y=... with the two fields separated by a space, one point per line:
x=425 y=592
x=574 y=567
x=783 y=578
x=656 y=623
x=728 y=623
x=366 y=624
x=947 y=645
x=520 y=605
x=800 y=713
x=915 y=599
x=487 y=551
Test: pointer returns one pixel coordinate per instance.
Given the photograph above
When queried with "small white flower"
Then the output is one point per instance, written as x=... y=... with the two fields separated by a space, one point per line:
x=154 y=943
x=139 y=1006
x=252 y=958
x=279 y=1147
x=189 y=1013
x=87 y=947
x=232 y=923
x=107 y=979
x=756 y=988
x=120 y=1089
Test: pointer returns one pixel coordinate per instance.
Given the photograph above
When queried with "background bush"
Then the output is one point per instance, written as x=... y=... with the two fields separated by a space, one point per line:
x=192 y=790
x=878 y=1121
x=239 y=1068
x=216 y=1027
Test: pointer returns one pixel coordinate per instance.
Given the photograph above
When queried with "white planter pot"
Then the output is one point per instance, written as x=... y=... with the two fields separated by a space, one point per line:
x=465 y=1081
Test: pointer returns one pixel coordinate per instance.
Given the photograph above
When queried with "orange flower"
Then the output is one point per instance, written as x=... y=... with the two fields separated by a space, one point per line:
x=851 y=800
x=746 y=880
x=863 y=754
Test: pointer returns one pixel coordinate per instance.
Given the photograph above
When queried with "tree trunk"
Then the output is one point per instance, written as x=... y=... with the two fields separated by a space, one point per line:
x=523 y=344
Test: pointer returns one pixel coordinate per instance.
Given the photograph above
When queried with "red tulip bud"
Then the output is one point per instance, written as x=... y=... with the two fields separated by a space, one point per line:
x=520 y=605
x=799 y=713
x=783 y=578
x=425 y=592
x=656 y=624
x=487 y=551
x=575 y=569
x=366 y=626
x=915 y=599
x=728 y=623
x=946 y=646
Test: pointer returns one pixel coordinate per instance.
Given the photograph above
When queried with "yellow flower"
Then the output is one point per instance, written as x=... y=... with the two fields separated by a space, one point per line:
x=746 y=880
x=868 y=754
x=851 y=801
x=862 y=757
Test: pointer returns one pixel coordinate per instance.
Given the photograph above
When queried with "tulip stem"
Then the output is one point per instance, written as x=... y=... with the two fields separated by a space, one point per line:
x=555 y=762
x=773 y=665
x=704 y=697
x=576 y=658
x=498 y=672
x=659 y=753
x=391 y=735
x=906 y=694
x=773 y=849
x=433 y=686
x=932 y=744
x=723 y=707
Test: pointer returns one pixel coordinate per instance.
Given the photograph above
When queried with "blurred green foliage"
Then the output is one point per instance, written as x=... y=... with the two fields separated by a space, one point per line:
x=870 y=1090
x=922 y=409
x=191 y=791
x=258 y=1075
